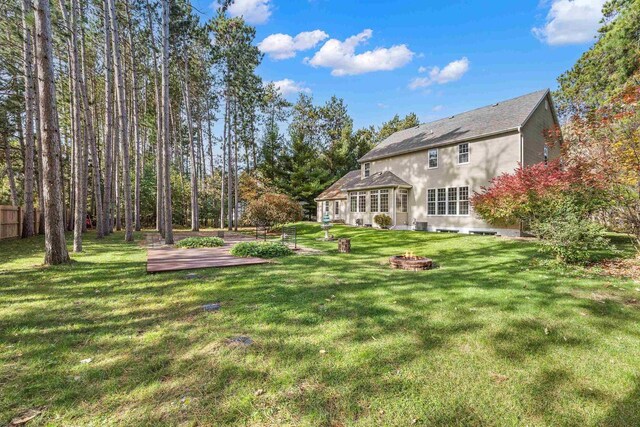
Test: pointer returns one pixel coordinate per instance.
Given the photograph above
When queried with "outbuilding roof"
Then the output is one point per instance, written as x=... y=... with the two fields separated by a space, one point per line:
x=497 y=118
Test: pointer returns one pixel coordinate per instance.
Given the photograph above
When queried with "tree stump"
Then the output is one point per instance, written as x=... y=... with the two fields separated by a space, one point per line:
x=344 y=246
x=220 y=234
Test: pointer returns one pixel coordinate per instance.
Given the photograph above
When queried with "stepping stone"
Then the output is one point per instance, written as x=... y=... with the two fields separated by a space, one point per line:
x=211 y=307
x=241 y=340
x=191 y=276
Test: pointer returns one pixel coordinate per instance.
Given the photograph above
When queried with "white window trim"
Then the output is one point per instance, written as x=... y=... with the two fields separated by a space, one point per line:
x=447 y=201
x=366 y=173
x=437 y=158
x=468 y=154
x=378 y=195
x=399 y=194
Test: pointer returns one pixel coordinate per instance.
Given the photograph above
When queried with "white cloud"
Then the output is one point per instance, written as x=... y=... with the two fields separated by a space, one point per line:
x=283 y=46
x=571 y=22
x=438 y=108
x=422 y=69
x=450 y=73
x=288 y=87
x=253 y=11
x=340 y=56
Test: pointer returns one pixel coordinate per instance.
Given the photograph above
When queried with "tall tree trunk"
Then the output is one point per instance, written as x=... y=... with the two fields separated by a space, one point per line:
x=124 y=125
x=159 y=127
x=168 y=217
x=78 y=140
x=55 y=245
x=36 y=99
x=210 y=151
x=195 y=220
x=117 y=180
x=136 y=136
x=229 y=165
x=235 y=167
x=10 y=174
x=90 y=134
x=28 y=221
x=107 y=204
x=223 y=166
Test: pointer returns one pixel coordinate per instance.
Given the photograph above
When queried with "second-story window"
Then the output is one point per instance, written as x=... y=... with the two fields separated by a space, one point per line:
x=463 y=153
x=367 y=169
x=433 y=158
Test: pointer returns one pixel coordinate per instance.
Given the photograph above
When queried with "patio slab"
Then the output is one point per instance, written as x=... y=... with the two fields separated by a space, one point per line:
x=162 y=258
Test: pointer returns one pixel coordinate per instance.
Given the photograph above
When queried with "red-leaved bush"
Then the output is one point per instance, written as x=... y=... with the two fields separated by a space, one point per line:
x=530 y=192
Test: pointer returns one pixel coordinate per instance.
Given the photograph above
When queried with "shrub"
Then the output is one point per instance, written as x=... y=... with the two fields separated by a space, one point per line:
x=261 y=249
x=534 y=192
x=383 y=220
x=200 y=242
x=570 y=238
x=273 y=208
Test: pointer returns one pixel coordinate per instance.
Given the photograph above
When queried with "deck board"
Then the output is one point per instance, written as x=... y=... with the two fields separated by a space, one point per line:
x=162 y=258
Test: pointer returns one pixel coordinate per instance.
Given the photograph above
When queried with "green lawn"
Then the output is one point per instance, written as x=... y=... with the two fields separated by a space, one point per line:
x=494 y=336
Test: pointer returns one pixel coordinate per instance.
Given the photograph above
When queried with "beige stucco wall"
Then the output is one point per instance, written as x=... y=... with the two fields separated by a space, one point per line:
x=533 y=133
x=342 y=214
x=488 y=158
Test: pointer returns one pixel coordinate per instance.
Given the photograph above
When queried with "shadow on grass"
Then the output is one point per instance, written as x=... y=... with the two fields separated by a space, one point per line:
x=149 y=338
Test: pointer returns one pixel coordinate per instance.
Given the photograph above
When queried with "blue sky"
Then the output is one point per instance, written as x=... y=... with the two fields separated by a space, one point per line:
x=434 y=58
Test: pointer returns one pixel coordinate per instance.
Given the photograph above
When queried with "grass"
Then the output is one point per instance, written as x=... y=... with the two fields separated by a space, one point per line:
x=495 y=336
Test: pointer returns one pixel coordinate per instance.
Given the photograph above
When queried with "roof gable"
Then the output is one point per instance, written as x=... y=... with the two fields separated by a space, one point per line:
x=493 y=119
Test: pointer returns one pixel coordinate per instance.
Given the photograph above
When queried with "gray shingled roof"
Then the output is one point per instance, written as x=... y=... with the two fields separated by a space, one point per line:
x=335 y=191
x=377 y=180
x=497 y=118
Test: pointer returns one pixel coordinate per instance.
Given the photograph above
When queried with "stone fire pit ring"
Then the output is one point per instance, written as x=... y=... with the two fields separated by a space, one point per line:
x=411 y=264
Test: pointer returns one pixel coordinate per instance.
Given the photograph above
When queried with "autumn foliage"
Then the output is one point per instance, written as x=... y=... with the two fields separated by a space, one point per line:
x=531 y=192
x=272 y=209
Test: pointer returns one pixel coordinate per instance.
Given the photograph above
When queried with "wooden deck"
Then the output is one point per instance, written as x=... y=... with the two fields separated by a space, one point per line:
x=167 y=258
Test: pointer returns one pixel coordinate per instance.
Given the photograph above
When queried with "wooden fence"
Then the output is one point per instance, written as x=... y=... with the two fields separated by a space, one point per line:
x=11 y=218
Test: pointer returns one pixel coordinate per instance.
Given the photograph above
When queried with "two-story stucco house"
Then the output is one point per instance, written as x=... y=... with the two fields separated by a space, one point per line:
x=423 y=177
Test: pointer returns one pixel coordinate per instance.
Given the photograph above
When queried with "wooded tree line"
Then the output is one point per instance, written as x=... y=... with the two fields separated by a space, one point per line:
x=570 y=203
x=599 y=101
x=130 y=113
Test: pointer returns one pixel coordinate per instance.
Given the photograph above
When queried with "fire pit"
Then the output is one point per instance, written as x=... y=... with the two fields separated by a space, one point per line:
x=411 y=262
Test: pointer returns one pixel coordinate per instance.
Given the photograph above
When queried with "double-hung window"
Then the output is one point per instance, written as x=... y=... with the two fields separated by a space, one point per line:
x=450 y=201
x=367 y=169
x=431 y=201
x=463 y=153
x=384 y=200
x=463 y=201
x=326 y=207
x=379 y=200
x=353 y=199
x=375 y=194
x=442 y=201
x=362 y=201
x=336 y=208
x=402 y=197
x=433 y=158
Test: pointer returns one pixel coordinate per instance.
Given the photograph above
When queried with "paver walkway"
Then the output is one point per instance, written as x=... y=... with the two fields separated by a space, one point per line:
x=168 y=258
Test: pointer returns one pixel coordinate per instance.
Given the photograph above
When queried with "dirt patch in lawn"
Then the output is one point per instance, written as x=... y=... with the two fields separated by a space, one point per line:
x=620 y=268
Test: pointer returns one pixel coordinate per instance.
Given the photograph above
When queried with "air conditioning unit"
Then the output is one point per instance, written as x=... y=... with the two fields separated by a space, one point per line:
x=421 y=226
